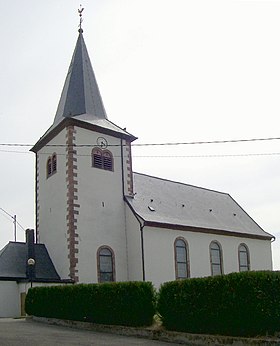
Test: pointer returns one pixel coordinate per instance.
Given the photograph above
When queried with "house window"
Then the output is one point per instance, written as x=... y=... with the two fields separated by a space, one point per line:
x=216 y=258
x=105 y=264
x=181 y=259
x=51 y=165
x=102 y=159
x=243 y=257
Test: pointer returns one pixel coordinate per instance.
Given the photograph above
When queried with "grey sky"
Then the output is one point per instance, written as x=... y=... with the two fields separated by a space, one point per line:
x=168 y=71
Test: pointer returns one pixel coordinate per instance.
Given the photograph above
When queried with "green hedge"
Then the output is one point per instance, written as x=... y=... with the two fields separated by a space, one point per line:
x=237 y=304
x=123 y=303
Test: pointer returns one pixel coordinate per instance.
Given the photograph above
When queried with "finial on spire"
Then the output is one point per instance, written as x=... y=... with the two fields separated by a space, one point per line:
x=80 y=10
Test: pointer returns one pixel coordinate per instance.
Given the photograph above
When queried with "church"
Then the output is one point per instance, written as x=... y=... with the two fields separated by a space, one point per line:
x=99 y=221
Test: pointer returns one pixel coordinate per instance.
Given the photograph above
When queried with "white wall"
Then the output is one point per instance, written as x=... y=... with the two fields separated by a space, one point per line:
x=100 y=207
x=101 y=218
x=52 y=205
x=10 y=299
x=135 y=271
x=159 y=253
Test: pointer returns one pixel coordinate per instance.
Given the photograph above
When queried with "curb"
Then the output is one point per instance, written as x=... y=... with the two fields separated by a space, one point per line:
x=160 y=334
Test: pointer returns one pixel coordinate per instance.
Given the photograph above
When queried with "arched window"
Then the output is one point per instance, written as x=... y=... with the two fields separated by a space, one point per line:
x=105 y=264
x=49 y=167
x=54 y=163
x=244 y=258
x=102 y=159
x=181 y=259
x=216 y=259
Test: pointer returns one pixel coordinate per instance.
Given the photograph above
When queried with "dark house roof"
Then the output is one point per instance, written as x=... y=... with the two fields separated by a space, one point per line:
x=13 y=263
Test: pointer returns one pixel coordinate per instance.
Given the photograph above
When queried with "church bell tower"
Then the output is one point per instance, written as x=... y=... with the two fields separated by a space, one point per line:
x=83 y=172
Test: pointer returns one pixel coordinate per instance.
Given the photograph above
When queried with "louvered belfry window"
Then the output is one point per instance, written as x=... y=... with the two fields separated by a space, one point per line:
x=107 y=161
x=102 y=159
x=54 y=163
x=97 y=158
x=51 y=165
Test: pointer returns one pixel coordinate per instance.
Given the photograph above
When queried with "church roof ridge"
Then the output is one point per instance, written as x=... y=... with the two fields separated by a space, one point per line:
x=181 y=183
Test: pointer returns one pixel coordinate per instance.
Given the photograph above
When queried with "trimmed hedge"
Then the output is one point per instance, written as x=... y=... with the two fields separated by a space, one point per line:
x=122 y=303
x=237 y=304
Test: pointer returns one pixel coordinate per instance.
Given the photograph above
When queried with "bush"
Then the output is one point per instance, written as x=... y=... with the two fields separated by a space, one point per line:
x=238 y=304
x=123 y=303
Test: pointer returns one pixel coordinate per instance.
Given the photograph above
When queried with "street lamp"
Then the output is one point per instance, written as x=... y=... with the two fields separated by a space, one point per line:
x=31 y=264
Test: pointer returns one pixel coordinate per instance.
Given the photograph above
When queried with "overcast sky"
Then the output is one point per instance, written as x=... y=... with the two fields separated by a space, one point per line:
x=169 y=71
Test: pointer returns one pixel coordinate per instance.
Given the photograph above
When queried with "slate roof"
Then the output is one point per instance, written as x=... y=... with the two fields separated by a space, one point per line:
x=170 y=204
x=80 y=94
x=13 y=260
x=81 y=99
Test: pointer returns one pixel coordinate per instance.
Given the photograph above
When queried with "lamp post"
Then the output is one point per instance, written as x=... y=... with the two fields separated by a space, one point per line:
x=31 y=264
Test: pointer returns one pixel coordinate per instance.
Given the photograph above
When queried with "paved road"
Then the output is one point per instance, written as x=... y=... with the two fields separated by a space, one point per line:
x=15 y=332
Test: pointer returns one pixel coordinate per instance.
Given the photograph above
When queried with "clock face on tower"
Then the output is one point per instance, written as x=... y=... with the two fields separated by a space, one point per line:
x=102 y=142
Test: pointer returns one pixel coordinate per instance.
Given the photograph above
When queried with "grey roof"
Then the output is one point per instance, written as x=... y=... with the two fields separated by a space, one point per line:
x=81 y=99
x=80 y=94
x=13 y=260
x=165 y=202
x=103 y=125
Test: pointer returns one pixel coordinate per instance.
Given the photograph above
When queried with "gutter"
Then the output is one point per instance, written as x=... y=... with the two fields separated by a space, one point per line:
x=26 y=279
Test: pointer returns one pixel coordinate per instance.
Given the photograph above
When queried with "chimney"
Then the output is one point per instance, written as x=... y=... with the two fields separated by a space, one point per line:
x=30 y=264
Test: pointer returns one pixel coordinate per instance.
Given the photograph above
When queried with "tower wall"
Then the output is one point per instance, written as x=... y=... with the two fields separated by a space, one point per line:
x=81 y=207
x=52 y=203
x=101 y=217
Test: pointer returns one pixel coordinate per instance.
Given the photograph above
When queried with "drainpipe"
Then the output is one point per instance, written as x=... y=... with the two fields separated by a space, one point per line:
x=36 y=194
x=141 y=225
x=122 y=167
x=142 y=249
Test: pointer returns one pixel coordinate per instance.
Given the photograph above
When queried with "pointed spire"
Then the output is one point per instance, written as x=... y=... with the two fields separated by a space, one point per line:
x=80 y=94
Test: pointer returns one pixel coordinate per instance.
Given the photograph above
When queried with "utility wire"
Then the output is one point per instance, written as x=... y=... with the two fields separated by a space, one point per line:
x=11 y=216
x=157 y=156
x=153 y=144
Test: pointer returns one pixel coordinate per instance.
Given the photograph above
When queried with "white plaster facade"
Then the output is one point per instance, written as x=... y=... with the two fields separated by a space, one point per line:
x=159 y=252
x=10 y=305
x=100 y=207
x=162 y=261
x=51 y=201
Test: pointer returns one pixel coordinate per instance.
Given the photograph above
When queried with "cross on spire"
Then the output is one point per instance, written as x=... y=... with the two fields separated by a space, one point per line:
x=80 y=11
